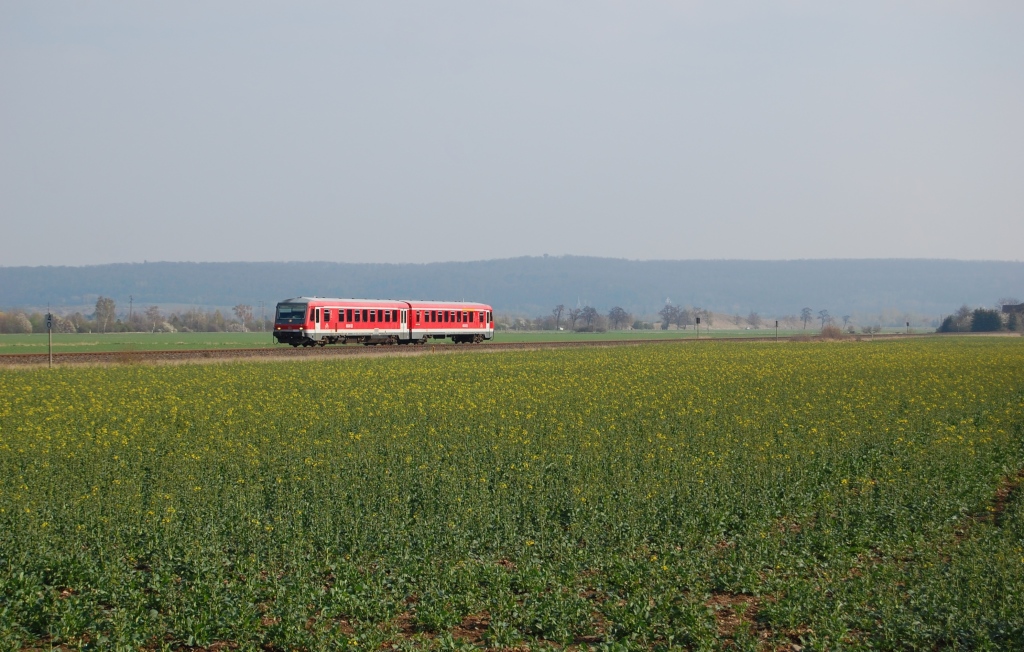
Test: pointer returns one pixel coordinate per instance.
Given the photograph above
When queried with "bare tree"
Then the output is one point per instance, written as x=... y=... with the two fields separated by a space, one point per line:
x=805 y=316
x=754 y=319
x=690 y=316
x=557 y=312
x=669 y=315
x=846 y=321
x=574 y=315
x=588 y=314
x=736 y=319
x=244 y=314
x=105 y=312
x=617 y=316
x=824 y=317
x=153 y=317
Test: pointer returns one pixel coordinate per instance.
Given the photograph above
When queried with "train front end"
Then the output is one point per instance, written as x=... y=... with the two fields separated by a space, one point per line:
x=290 y=323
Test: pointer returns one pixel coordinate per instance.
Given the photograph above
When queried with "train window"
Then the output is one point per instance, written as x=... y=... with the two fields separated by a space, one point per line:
x=327 y=315
x=433 y=316
x=316 y=316
x=348 y=314
x=465 y=317
x=387 y=316
x=358 y=314
x=447 y=316
x=419 y=315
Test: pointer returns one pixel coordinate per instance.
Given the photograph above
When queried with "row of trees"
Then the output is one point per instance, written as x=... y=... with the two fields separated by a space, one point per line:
x=582 y=319
x=151 y=319
x=981 y=320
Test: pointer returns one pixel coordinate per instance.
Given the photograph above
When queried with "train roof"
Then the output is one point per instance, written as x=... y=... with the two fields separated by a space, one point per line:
x=439 y=304
x=337 y=300
x=370 y=302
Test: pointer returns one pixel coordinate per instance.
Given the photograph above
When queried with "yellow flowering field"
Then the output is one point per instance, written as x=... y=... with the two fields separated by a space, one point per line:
x=703 y=496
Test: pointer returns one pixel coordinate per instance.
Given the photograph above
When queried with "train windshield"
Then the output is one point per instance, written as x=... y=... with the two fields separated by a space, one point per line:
x=291 y=313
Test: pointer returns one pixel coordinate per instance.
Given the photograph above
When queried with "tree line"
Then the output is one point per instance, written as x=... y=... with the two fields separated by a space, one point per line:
x=984 y=320
x=581 y=319
x=105 y=319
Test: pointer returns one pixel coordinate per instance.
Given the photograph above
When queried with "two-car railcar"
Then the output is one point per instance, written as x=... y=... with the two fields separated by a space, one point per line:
x=315 y=321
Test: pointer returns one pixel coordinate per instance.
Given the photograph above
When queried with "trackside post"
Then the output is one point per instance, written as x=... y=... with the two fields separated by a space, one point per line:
x=49 y=336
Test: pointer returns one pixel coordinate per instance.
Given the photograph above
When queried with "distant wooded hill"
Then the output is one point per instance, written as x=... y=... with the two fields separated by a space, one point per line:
x=533 y=285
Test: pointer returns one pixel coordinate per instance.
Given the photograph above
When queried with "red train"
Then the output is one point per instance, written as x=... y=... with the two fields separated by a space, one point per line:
x=312 y=321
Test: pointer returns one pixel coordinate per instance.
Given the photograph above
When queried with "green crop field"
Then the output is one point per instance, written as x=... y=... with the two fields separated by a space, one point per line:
x=117 y=342
x=107 y=342
x=850 y=495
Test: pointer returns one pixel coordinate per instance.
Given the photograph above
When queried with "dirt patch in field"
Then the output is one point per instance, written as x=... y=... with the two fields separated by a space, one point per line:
x=1008 y=491
x=472 y=628
x=733 y=611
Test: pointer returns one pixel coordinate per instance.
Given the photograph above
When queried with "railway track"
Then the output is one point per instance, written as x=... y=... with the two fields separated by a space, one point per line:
x=278 y=353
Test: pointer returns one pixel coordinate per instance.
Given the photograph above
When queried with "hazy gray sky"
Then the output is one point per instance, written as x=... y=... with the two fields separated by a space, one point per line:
x=429 y=131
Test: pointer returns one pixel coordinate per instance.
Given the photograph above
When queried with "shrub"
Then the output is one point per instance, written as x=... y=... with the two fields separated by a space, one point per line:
x=831 y=332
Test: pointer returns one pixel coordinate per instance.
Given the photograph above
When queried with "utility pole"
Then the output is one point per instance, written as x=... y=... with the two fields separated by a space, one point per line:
x=262 y=317
x=130 y=300
x=776 y=330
